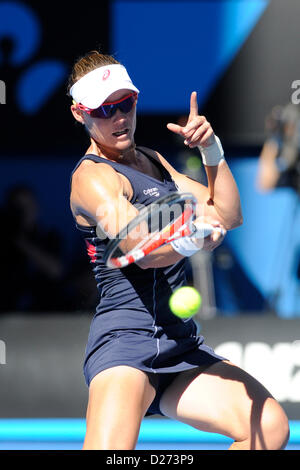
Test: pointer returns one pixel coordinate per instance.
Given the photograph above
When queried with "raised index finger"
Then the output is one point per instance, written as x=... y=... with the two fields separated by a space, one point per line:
x=193 y=106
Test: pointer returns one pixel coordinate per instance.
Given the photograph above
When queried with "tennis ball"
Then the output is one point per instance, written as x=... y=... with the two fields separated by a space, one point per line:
x=185 y=302
x=194 y=163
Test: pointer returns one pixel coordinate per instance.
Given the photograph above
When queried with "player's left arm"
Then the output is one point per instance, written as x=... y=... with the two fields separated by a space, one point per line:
x=220 y=200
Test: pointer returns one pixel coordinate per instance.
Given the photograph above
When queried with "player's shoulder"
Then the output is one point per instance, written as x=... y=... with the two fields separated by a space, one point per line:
x=91 y=170
x=93 y=178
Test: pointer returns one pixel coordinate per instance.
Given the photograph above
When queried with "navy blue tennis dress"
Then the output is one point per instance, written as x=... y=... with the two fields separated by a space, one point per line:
x=133 y=324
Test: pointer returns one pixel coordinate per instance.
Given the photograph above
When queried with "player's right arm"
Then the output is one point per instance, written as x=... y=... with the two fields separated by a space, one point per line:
x=99 y=198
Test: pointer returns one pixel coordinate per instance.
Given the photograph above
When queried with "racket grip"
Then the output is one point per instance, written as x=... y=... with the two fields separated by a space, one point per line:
x=202 y=230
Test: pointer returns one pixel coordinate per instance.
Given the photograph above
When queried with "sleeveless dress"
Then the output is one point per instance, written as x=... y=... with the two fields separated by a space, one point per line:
x=133 y=324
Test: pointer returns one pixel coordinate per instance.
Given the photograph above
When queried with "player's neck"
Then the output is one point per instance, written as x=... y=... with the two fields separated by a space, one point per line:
x=127 y=156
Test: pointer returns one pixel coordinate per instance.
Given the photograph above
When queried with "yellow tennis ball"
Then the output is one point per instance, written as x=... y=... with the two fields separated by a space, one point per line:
x=185 y=302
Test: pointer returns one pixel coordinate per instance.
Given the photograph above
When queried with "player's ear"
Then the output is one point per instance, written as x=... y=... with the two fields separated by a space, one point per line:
x=77 y=113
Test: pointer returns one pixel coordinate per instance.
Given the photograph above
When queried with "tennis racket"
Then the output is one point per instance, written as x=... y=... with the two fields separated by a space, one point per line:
x=169 y=218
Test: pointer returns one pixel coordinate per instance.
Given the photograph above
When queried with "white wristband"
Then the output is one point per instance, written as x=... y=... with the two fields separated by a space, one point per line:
x=212 y=155
x=185 y=246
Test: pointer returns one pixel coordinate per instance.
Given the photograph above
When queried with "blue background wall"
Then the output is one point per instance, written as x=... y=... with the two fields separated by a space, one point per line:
x=179 y=46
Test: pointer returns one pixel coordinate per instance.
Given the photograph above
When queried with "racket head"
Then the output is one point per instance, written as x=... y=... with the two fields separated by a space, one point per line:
x=168 y=218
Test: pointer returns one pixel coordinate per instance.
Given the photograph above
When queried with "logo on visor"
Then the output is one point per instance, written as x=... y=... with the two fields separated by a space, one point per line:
x=106 y=74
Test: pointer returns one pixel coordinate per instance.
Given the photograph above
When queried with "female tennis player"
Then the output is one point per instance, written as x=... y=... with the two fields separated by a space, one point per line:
x=140 y=358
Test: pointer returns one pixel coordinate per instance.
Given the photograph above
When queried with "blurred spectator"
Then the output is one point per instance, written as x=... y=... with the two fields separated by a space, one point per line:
x=279 y=166
x=32 y=267
x=279 y=162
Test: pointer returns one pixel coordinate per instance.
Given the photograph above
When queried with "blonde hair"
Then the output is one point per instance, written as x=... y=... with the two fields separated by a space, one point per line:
x=90 y=61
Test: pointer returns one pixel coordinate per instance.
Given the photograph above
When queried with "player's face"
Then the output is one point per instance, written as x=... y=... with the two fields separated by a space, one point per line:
x=117 y=132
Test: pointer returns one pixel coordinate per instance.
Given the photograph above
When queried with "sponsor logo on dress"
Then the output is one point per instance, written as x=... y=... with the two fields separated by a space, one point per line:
x=151 y=192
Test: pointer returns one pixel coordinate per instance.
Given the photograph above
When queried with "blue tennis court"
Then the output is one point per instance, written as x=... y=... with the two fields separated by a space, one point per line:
x=68 y=434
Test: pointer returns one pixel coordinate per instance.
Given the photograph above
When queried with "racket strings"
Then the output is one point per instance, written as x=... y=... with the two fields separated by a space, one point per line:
x=180 y=227
x=158 y=224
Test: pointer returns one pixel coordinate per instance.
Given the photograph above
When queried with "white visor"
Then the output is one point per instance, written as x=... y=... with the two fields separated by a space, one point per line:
x=95 y=87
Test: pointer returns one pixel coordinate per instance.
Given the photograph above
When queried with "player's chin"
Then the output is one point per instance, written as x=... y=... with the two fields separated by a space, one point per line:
x=125 y=144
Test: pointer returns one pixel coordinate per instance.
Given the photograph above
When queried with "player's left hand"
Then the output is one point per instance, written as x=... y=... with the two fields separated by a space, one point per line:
x=197 y=130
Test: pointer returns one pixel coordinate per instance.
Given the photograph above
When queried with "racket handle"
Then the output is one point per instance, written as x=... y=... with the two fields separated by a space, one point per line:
x=202 y=230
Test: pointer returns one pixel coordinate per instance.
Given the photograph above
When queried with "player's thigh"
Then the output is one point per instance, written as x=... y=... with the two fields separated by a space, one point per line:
x=223 y=399
x=118 y=400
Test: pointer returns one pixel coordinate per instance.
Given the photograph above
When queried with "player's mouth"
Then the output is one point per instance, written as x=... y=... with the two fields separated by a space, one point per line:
x=121 y=133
